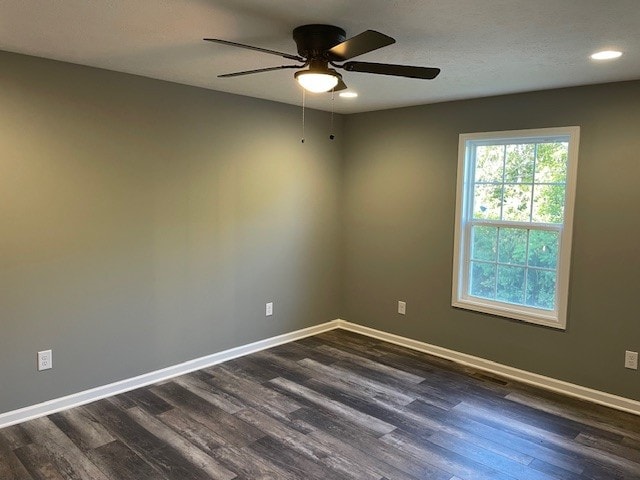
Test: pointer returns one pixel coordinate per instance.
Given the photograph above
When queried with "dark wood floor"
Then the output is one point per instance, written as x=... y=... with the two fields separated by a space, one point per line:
x=333 y=406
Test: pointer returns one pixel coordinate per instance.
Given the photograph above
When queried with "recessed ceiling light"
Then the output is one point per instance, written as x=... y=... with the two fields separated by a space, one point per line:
x=606 y=55
x=348 y=94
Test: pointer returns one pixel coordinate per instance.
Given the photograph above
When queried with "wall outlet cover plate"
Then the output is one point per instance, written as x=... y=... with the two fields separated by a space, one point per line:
x=402 y=308
x=631 y=360
x=45 y=360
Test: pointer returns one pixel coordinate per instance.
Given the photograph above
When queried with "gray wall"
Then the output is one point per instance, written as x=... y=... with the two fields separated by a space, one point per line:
x=399 y=186
x=146 y=223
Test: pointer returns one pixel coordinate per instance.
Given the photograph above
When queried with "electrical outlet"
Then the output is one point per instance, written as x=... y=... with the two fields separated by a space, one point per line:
x=45 y=360
x=402 y=307
x=269 y=309
x=631 y=360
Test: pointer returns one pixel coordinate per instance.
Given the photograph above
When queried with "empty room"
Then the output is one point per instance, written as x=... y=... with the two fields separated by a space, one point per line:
x=366 y=240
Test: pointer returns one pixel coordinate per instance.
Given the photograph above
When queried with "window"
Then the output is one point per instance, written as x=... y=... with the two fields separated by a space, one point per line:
x=513 y=223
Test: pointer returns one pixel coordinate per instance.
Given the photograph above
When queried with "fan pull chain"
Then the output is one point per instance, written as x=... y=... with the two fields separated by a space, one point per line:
x=303 y=102
x=333 y=96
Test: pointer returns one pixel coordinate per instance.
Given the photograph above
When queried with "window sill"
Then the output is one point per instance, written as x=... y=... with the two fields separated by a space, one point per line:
x=514 y=312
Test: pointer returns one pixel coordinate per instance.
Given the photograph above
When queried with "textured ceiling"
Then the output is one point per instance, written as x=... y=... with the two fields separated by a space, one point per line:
x=484 y=47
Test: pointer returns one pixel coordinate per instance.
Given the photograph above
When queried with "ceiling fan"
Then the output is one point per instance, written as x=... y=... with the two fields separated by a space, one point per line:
x=322 y=46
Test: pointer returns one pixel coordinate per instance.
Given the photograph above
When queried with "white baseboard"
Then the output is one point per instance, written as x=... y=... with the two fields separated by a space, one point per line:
x=88 y=396
x=548 y=383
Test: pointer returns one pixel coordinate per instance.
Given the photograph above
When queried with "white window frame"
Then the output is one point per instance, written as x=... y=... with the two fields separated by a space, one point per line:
x=461 y=298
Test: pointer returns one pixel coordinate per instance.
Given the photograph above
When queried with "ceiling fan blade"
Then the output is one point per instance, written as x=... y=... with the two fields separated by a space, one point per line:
x=259 y=70
x=360 y=44
x=257 y=49
x=426 y=73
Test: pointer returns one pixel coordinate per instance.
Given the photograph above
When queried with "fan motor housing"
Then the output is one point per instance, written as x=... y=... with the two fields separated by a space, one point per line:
x=314 y=40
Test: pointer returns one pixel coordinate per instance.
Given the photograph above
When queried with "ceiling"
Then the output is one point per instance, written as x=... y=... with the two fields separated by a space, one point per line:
x=484 y=47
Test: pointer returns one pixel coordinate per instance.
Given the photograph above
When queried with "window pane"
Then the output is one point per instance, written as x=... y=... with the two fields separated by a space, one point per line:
x=541 y=288
x=483 y=280
x=519 y=163
x=510 y=286
x=512 y=246
x=517 y=203
x=484 y=243
x=486 y=202
x=551 y=162
x=543 y=249
x=548 y=203
x=489 y=163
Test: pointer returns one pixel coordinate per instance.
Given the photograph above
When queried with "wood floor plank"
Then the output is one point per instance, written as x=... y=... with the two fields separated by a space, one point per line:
x=11 y=468
x=599 y=471
x=442 y=458
x=206 y=439
x=550 y=469
x=531 y=415
x=352 y=342
x=42 y=466
x=216 y=397
x=614 y=448
x=415 y=356
x=366 y=421
x=283 y=363
x=154 y=450
x=295 y=351
x=287 y=459
x=293 y=439
x=231 y=428
x=306 y=446
x=120 y=462
x=266 y=367
x=399 y=417
x=549 y=438
x=245 y=396
x=337 y=405
x=144 y=398
x=250 y=465
x=47 y=435
x=251 y=392
x=329 y=427
x=631 y=443
x=82 y=429
x=424 y=391
x=453 y=380
x=14 y=437
x=588 y=421
x=258 y=396
x=375 y=467
x=500 y=415
x=373 y=366
x=368 y=387
x=560 y=458
x=122 y=401
x=466 y=437
x=583 y=409
x=479 y=455
x=186 y=449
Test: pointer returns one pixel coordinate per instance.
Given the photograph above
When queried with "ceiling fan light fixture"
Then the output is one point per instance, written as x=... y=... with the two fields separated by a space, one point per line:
x=318 y=81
